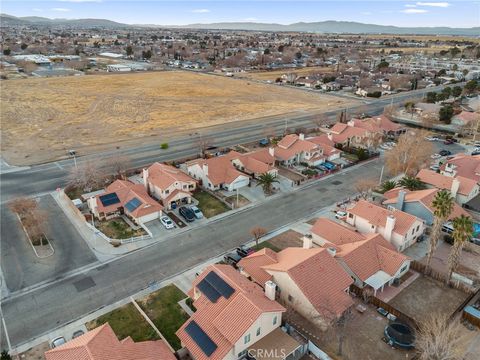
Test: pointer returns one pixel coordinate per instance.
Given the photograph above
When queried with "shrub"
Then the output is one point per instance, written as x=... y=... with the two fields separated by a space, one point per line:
x=164 y=146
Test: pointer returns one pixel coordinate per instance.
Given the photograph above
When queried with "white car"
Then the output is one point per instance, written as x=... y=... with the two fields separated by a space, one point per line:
x=436 y=156
x=340 y=214
x=385 y=147
x=167 y=222
x=57 y=342
x=197 y=212
x=434 y=167
x=391 y=144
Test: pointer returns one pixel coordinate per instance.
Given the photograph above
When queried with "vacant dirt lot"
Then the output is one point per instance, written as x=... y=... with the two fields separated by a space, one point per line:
x=41 y=118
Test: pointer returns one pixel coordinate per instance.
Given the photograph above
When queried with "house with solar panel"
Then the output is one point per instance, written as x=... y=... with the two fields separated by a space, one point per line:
x=125 y=198
x=235 y=317
x=169 y=185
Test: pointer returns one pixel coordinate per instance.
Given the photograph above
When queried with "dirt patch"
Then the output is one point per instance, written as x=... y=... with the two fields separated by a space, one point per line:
x=35 y=353
x=289 y=238
x=42 y=118
x=291 y=175
x=425 y=296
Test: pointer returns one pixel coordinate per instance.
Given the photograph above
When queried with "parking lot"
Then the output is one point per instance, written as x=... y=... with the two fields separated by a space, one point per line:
x=20 y=266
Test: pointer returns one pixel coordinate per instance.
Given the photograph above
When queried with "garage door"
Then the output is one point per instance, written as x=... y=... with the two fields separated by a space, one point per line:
x=239 y=183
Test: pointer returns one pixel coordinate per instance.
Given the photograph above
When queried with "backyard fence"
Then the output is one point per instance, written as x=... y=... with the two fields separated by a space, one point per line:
x=117 y=241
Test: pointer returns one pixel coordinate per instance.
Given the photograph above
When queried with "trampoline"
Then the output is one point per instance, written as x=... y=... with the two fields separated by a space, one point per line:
x=400 y=335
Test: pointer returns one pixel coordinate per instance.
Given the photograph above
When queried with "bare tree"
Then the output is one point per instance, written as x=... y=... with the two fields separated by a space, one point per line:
x=86 y=176
x=118 y=165
x=365 y=187
x=257 y=232
x=390 y=110
x=410 y=155
x=203 y=143
x=319 y=120
x=439 y=338
x=22 y=206
x=429 y=118
x=32 y=217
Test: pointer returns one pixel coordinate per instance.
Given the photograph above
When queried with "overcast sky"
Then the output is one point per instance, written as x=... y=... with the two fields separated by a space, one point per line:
x=387 y=12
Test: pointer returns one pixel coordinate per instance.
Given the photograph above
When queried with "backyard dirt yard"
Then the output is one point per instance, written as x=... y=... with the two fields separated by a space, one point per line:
x=272 y=75
x=426 y=296
x=42 y=118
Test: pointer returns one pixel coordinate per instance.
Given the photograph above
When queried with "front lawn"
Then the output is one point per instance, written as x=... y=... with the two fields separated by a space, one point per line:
x=265 y=244
x=163 y=309
x=118 y=229
x=126 y=321
x=209 y=205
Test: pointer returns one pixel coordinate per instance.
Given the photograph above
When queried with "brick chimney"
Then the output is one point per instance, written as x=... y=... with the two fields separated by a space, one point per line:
x=307 y=241
x=455 y=187
x=390 y=224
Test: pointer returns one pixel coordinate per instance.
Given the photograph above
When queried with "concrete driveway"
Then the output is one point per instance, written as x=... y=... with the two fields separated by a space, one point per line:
x=21 y=268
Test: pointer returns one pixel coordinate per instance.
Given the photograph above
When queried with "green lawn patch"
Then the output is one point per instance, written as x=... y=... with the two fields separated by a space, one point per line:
x=209 y=205
x=265 y=244
x=163 y=309
x=118 y=229
x=126 y=321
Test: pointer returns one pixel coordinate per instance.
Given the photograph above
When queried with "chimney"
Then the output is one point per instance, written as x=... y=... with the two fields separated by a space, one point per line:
x=307 y=241
x=332 y=251
x=390 y=224
x=271 y=151
x=401 y=199
x=205 y=168
x=330 y=137
x=301 y=136
x=270 y=290
x=145 y=178
x=455 y=187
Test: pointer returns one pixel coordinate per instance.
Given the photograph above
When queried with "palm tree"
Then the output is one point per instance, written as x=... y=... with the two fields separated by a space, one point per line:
x=411 y=183
x=388 y=185
x=443 y=205
x=266 y=181
x=462 y=232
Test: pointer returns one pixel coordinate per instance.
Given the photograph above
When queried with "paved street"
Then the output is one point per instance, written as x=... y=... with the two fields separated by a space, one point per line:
x=37 y=312
x=21 y=268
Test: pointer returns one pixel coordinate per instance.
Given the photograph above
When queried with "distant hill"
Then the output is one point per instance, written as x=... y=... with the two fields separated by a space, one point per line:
x=340 y=27
x=9 y=20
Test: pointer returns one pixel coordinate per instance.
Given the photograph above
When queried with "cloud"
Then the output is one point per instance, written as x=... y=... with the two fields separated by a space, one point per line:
x=410 y=5
x=366 y=13
x=414 y=11
x=434 y=4
x=201 y=11
x=60 y=9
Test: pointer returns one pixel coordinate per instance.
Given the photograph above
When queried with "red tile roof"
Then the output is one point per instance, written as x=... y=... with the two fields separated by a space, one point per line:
x=163 y=175
x=445 y=182
x=291 y=145
x=253 y=263
x=102 y=344
x=466 y=165
x=226 y=320
x=220 y=169
x=335 y=233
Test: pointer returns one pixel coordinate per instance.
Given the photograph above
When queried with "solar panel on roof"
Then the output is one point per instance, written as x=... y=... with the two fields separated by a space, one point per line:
x=109 y=199
x=219 y=284
x=201 y=338
x=208 y=290
x=133 y=204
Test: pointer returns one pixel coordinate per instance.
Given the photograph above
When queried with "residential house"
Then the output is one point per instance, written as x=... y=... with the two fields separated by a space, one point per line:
x=466 y=121
x=254 y=163
x=378 y=124
x=368 y=258
x=233 y=315
x=344 y=135
x=397 y=227
x=418 y=203
x=168 y=184
x=102 y=343
x=123 y=197
x=462 y=189
x=307 y=279
x=328 y=147
x=294 y=149
x=463 y=165
x=217 y=173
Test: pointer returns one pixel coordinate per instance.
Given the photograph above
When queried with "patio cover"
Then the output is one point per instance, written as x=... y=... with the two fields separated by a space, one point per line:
x=273 y=346
x=378 y=279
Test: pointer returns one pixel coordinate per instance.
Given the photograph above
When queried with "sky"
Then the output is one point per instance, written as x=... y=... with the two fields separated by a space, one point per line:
x=407 y=13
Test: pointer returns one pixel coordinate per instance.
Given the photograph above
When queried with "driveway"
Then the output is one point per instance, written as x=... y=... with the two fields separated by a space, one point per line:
x=21 y=268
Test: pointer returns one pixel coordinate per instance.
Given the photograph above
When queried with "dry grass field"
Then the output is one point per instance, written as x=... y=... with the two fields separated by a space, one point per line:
x=418 y=37
x=41 y=118
x=272 y=75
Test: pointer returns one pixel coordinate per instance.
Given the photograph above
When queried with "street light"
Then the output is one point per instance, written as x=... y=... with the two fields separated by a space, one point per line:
x=73 y=153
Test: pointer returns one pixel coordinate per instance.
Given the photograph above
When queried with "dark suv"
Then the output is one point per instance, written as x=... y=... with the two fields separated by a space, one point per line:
x=187 y=213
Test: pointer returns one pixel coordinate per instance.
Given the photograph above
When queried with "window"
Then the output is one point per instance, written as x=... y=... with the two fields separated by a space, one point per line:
x=246 y=339
x=350 y=215
x=275 y=320
x=258 y=331
x=290 y=298
x=413 y=230
x=167 y=191
x=242 y=353
x=403 y=268
x=418 y=228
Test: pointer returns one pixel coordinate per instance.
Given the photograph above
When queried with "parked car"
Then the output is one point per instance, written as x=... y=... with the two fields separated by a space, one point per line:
x=264 y=142
x=167 y=222
x=186 y=213
x=232 y=258
x=197 y=212
x=77 y=334
x=436 y=156
x=382 y=311
x=445 y=153
x=476 y=153
x=244 y=251
x=57 y=342
x=435 y=167
x=448 y=142
x=340 y=214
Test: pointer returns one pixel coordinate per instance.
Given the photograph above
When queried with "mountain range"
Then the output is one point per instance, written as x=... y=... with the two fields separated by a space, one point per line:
x=345 y=27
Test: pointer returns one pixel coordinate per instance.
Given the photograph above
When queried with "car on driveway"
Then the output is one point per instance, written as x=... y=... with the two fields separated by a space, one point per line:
x=167 y=222
x=77 y=334
x=436 y=156
x=57 y=342
x=232 y=258
x=476 y=152
x=445 y=153
x=435 y=167
x=244 y=251
x=197 y=212
x=186 y=213
x=340 y=214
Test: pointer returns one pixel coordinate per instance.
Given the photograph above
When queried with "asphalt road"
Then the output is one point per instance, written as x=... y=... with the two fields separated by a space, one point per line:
x=37 y=312
x=21 y=268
